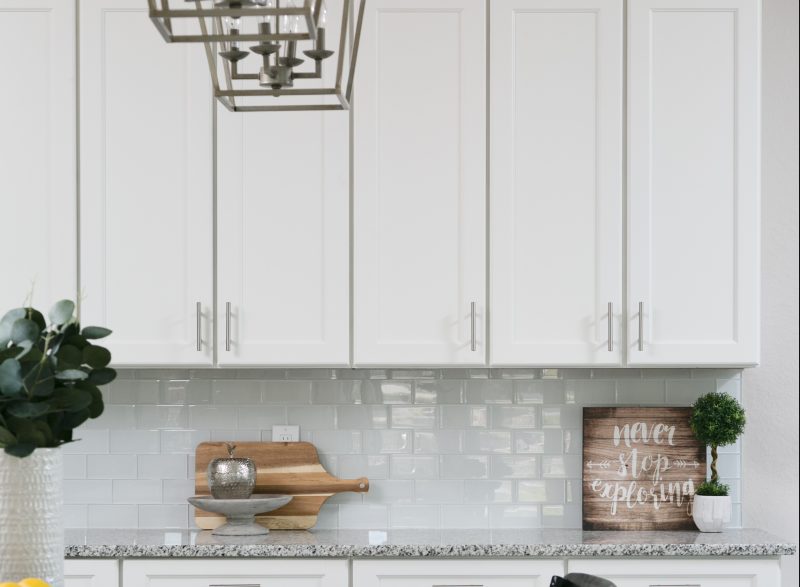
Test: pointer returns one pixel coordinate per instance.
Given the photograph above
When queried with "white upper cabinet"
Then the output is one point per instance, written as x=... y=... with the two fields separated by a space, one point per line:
x=556 y=193
x=419 y=212
x=693 y=192
x=37 y=153
x=284 y=237
x=146 y=188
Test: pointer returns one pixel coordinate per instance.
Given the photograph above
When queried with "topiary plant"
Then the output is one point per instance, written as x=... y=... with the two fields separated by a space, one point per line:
x=49 y=377
x=717 y=420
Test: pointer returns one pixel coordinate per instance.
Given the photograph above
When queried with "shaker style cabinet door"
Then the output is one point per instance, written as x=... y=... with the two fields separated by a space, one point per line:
x=556 y=194
x=235 y=573
x=91 y=573
x=419 y=294
x=458 y=573
x=683 y=573
x=37 y=153
x=693 y=182
x=146 y=188
x=283 y=245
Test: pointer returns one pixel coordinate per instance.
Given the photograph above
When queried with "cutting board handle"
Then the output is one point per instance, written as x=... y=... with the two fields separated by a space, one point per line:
x=360 y=485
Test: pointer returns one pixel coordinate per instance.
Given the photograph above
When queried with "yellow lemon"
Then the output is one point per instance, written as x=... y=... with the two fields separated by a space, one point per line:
x=31 y=582
x=9 y=584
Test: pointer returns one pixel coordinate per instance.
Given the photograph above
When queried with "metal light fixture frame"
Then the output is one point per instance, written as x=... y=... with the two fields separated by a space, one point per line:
x=215 y=39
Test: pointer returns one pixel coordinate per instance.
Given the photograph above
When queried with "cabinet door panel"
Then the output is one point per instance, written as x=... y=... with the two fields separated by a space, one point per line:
x=424 y=573
x=240 y=573
x=683 y=573
x=556 y=182
x=37 y=153
x=146 y=187
x=283 y=244
x=420 y=192
x=693 y=191
x=86 y=573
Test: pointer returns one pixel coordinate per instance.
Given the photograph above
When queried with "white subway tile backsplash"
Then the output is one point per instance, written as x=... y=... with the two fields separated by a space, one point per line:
x=438 y=491
x=134 y=441
x=414 y=467
x=438 y=442
x=460 y=448
x=514 y=417
x=163 y=466
x=111 y=466
x=113 y=516
x=414 y=416
x=488 y=491
x=464 y=466
x=465 y=516
x=362 y=417
x=135 y=491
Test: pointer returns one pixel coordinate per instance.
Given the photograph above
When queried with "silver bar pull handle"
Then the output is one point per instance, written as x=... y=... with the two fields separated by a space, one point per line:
x=227 y=326
x=199 y=318
x=472 y=322
x=610 y=327
x=641 y=326
x=236 y=585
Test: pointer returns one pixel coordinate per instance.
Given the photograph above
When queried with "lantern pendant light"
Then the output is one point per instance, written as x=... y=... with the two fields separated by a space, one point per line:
x=268 y=55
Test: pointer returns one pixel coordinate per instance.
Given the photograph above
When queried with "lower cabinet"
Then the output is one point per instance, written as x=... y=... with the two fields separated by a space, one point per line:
x=683 y=572
x=235 y=573
x=456 y=573
x=89 y=573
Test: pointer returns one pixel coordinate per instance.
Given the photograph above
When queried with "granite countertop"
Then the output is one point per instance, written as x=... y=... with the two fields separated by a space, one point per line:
x=115 y=544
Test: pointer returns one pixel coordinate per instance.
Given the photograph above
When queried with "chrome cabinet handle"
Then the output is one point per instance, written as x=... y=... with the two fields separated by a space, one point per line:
x=641 y=326
x=235 y=585
x=458 y=585
x=199 y=318
x=610 y=327
x=473 y=344
x=227 y=327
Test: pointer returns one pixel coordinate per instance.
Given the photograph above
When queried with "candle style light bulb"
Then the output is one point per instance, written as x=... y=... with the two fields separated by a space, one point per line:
x=319 y=52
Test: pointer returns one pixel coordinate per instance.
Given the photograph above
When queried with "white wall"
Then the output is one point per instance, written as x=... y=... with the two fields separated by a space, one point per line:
x=771 y=390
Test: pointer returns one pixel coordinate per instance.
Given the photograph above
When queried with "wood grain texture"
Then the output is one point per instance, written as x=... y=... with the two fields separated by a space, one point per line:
x=290 y=468
x=640 y=468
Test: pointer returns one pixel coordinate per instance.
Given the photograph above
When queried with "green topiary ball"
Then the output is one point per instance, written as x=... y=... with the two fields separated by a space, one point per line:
x=717 y=419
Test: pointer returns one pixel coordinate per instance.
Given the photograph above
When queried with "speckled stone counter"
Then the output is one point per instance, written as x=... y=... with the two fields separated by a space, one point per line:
x=121 y=544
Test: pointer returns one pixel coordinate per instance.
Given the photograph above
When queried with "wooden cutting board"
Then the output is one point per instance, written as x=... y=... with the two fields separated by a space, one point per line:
x=290 y=468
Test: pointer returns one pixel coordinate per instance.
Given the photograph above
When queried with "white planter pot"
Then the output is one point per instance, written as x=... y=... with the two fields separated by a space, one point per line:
x=31 y=521
x=710 y=514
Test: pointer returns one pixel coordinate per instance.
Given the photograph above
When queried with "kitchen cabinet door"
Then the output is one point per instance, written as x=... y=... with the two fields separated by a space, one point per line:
x=693 y=182
x=283 y=248
x=238 y=573
x=146 y=188
x=37 y=153
x=683 y=572
x=458 y=573
x=419 y=293
x=89 y=573
x=556 y=194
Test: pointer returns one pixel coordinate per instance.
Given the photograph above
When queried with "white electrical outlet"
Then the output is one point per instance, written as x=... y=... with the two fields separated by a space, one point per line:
x=285 y=433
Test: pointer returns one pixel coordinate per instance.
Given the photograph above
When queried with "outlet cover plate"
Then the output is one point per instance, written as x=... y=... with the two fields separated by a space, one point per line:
x=286 y=434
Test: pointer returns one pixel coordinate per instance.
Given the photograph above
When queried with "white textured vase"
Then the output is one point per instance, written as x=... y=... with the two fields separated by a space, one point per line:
x=711 y=513
x=31 y=522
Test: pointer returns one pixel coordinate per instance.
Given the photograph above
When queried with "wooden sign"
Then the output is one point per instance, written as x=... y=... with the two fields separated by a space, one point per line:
x=640 y=468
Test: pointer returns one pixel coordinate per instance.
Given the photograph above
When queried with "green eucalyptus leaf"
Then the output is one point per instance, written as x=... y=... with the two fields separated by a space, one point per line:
x=40 y=380
x=76 y=340
x=61 y=312
x=24 y=330
x=6 y=323
x=74 y=419
x=95 y=332
x=36 y=316
x=102 y=376
x=10 y=377
x=20 y=450
x=69 y=357
x=71 y=375
x=45 y=431
x=26 y=409
x=96 y=357
x=70 y=399
x=6 y=437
